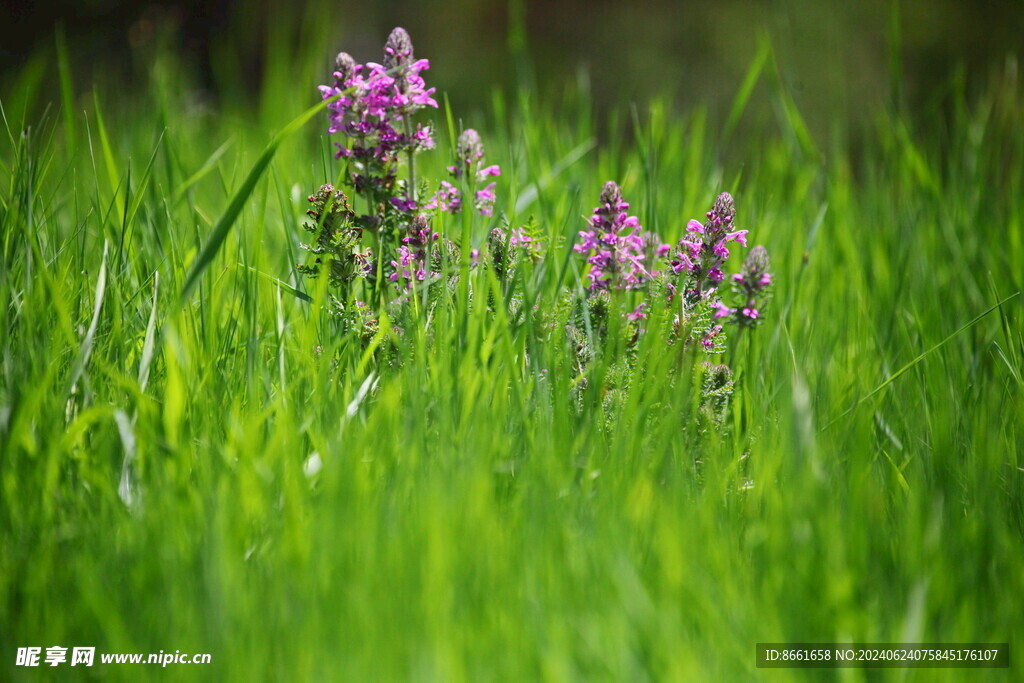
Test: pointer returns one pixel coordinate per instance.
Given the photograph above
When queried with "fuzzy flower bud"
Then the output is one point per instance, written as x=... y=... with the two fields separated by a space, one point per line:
x=751 y=285
x=337 y=238
x=398 y=49
x=469 y=148
x=344 y=69
x=724 y=208
x=717 y=377
x=611 y=194
x=718 y=387
x=755 y=269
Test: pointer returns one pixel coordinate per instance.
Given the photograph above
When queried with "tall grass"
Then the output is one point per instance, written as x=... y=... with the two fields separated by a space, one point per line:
x=160 y=434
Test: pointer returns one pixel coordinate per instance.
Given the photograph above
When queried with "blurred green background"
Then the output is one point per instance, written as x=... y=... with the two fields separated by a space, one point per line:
x=838 y=59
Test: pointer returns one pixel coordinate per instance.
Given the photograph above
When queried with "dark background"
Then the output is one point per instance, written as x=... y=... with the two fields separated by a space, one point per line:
x=834 y=57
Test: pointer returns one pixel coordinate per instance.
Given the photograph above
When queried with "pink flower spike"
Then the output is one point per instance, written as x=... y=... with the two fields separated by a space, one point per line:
x=750 y=313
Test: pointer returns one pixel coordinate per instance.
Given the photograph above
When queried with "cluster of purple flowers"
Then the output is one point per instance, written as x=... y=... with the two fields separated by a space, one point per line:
x=373 y=105
x=471 y=166
x=375 y=98
x=700 y=259
x=414 y=256
x=672 y=289
x=616 y=244
x=750 y=284
x=622 y=256
x=703 y=253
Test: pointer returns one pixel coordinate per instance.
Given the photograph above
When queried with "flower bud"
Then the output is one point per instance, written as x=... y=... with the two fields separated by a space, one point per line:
x=724 y=208
x=398 y=49
x=755 y=268
x=345 y=68
x=611 y=194
x=469 y=148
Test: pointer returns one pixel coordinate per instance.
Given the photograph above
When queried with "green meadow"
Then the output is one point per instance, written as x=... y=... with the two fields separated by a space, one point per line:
x=195 y=455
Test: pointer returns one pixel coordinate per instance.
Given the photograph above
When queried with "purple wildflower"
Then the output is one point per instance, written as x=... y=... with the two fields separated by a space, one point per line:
x=702 y=258
x=738 y=236
x=375 y=103
x=414 y=255
x=751 y=284
x=615 y=244
x=485 y=199
x=448 y=198
x=470 y=164
x=721 y=310
x=406 y=205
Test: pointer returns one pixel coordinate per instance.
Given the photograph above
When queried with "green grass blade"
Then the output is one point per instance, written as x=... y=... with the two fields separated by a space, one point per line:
x=90 y=336
x=208 y=166
x=108 y=155
x=140 y=193
x=228 y=218
x=302 y=296
x=148 y=344
x=896 y=375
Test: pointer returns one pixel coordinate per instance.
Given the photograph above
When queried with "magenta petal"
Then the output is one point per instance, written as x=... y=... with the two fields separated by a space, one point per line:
x=739 y=236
